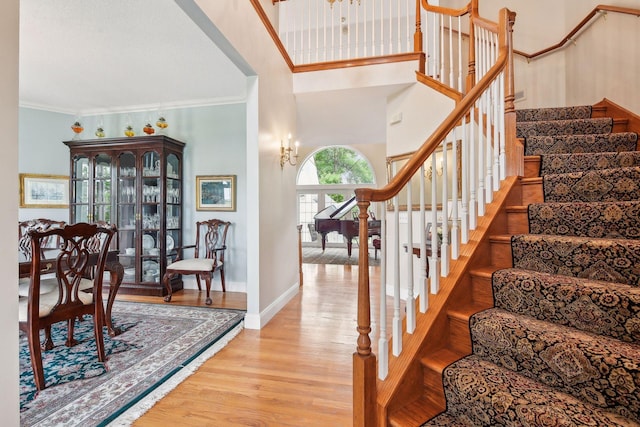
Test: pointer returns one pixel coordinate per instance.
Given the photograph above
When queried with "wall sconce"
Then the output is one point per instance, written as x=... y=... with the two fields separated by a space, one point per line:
x=285 y=153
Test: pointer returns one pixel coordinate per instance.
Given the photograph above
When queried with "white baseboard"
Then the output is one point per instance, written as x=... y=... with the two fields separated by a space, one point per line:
x=257 y=321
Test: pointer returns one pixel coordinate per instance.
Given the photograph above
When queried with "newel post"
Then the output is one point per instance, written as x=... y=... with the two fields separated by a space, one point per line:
x=513 y=147
x=471 y=76
x=364 y=361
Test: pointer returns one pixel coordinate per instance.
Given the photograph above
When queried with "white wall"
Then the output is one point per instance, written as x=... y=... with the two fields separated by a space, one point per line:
x=421 y=110
x=215 y=138
x=272 y=252
x=9 y=404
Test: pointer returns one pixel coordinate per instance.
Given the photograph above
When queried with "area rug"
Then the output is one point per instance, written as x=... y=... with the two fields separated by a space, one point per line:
x=160 y=345
x=335 y=256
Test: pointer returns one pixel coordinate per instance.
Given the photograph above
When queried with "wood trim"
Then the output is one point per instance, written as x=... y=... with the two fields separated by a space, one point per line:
x=439 y=87
x=611 y=109
x=446 y=10
x=577 y=28
x=272 y=32
x=361 y=62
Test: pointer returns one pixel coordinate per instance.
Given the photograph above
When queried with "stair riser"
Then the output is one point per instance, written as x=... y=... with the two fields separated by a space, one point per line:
x=597 y=259
x=501 y=253
x=589 y=306
x=482 y=291
x=564 y=127
x=571 y=163
x=532 y=191
x=459 y=338
x=595 y=186
x=517 y=222
x=597 y=220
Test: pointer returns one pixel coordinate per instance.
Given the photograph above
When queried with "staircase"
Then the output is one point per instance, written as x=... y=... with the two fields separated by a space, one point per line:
x=561 y=345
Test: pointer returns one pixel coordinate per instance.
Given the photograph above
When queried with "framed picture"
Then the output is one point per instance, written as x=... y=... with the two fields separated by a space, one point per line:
x=44 y=191
x=216 y=193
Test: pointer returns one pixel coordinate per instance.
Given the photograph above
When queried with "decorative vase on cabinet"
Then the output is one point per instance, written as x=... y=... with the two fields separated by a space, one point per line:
x=136 y=183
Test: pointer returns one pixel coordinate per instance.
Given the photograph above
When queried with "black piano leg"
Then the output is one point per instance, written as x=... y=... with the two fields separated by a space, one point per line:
x=324 y=241
x=349 y=245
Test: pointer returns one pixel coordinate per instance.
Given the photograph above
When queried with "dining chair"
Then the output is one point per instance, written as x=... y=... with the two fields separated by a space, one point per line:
x=208 y=257
x=40 y=224
x=79 y=271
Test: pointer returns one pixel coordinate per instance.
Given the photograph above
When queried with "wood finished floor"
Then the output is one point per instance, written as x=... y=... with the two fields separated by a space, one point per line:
x=296 y=371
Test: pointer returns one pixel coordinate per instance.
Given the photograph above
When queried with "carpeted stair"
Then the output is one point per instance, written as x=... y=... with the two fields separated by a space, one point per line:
x=561 y=347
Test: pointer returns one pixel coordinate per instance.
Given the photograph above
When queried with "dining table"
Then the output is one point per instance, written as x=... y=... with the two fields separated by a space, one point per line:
x=112 y=266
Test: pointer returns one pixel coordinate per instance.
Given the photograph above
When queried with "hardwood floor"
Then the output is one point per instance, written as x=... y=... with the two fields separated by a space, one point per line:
x=296 y=371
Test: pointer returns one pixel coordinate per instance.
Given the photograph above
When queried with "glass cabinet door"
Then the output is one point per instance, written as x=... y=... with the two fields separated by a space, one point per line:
x=151 y=209
x=80 y=189
x=102 y=188
x=174 y=207
x=127 y=214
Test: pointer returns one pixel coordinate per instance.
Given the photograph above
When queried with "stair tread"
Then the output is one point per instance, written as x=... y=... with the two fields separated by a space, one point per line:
x=485 y=271
x=440 y=359
x=415 y=413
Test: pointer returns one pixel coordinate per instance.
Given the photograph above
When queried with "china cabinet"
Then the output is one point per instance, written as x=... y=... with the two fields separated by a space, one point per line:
x=136 y=183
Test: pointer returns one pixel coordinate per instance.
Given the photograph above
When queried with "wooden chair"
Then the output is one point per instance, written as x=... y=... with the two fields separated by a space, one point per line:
x=40 y=224
x=75 y=294
x=208 y=257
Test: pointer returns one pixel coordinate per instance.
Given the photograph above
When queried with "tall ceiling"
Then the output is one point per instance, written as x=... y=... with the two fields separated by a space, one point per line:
x=89 y=56
x=86 y=57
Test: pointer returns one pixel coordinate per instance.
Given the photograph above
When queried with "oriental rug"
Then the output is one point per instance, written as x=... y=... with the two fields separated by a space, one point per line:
x=338 y=256
x=160 y=345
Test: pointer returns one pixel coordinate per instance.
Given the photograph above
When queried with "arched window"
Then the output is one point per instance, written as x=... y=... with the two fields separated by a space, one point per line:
x=327 y=177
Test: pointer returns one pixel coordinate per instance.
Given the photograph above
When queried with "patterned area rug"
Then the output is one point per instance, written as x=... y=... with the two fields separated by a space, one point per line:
x=160 y=342
x=336 y=256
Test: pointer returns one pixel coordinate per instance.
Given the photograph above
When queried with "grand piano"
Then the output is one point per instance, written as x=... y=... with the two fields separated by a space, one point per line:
x=331 y=219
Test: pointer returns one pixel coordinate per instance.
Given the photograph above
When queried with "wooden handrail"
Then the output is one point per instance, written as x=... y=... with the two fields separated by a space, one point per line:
x=446 y=10
x=422 y=154
x=582 y=24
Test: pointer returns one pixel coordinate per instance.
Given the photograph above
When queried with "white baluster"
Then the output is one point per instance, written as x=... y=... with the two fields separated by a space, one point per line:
x=464 y=217
x=445 y=253
x=455 y=230
x=473 y=175
x=383 y=341
x=411 y=300
x=451 y=80
x=424 y=297
x=397 y=316
x=460 y=86
x=434 y=262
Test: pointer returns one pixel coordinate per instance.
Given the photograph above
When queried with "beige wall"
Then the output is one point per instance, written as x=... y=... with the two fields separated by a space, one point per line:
x=9 y=404
x=603 y=62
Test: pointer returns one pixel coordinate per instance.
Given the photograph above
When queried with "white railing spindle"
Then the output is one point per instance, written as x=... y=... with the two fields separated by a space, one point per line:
x=411 y=301
x=383 y=341
x=424 y=297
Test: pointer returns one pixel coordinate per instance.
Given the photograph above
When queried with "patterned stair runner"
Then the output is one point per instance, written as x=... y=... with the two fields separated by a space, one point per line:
x=562 y=344
x=565 y=144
